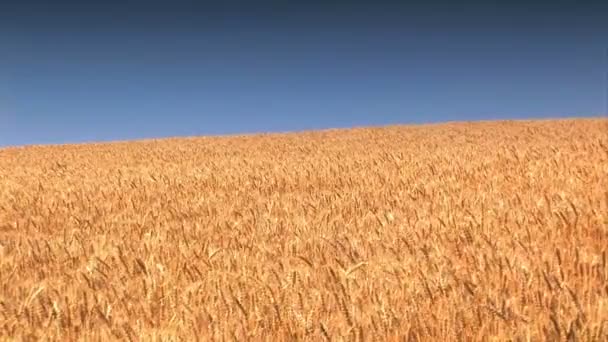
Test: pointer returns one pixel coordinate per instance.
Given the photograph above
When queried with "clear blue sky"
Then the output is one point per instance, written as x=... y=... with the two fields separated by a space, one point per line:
x=73 y=72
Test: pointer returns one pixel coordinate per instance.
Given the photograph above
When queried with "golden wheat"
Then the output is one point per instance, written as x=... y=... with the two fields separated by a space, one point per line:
x=460 y=231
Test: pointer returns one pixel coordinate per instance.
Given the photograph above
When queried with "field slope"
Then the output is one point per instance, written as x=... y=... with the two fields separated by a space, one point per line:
x=457 y=231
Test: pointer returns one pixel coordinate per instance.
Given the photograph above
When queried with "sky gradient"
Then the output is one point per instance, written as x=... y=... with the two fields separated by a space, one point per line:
x=98 y=71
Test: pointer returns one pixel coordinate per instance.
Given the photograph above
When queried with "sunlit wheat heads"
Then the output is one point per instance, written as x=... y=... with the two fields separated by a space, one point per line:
x=461 y=231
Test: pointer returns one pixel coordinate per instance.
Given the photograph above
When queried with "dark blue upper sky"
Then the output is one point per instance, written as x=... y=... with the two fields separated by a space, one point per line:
x=74 y=72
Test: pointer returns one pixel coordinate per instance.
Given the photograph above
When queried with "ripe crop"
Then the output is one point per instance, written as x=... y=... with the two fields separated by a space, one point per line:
x=458 y=231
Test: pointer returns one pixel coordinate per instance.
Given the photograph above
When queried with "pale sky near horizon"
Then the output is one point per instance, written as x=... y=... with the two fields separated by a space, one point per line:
x=74 y=72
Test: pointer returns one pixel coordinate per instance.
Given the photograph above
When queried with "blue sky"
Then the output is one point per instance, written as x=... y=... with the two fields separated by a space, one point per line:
x=102 y=71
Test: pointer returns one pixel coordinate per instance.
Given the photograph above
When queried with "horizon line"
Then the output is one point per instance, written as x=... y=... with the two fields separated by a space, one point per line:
x=301 y=131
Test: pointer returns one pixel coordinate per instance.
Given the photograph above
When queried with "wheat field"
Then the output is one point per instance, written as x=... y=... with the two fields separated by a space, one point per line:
x=485 y=231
